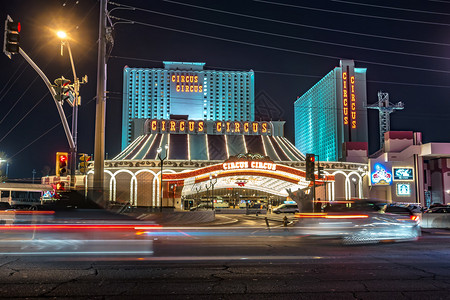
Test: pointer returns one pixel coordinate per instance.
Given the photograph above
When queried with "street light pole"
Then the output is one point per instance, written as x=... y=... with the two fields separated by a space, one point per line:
x=212 y=182
x=354 y=184
x=99 y=147
x=161 y=183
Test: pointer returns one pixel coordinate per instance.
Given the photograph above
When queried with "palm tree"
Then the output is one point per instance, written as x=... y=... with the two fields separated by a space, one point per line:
x=3 y=159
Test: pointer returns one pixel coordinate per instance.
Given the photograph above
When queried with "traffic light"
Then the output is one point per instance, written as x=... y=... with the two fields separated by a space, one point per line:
x=11 y=40
x=60 y=186
x=62 y=89
x=62 y=159
x=310 y=161
x=84 y=159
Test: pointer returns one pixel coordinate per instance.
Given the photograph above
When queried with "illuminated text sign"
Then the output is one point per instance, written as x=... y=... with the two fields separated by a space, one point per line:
x=210 y=127
x=345 y=97
x=403 y=174
x=241 y=127
x=186 y=83
x=352 y=102
x=236 y=165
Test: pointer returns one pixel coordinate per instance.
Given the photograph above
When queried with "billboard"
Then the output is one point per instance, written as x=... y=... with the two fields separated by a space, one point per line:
x=381 y=174
x=403 y=173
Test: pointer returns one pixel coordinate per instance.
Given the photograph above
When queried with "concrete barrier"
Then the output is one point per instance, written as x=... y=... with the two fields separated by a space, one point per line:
x=180 y=217
x=435 y=220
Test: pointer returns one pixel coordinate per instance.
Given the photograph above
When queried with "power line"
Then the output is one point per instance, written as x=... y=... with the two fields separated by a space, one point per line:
x=393 y=8
x=49 y=130
x=352 y=14
x=277 y=48
x=304 y=25
x=13 y=76
x=290 y=74
x=29 y=111
x=18 y=100
x=283 y=35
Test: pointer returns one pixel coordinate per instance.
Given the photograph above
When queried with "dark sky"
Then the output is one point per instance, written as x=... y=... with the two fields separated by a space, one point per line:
x=404 y=45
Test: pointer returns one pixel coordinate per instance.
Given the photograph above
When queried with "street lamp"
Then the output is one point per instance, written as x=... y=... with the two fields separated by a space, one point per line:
x=354 y=183
x=174 y=187
x=212 y=182
x=161 y=158
x=76 y=92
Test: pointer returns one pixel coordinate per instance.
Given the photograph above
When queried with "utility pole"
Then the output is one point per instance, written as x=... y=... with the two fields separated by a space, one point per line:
x=99 y=148
x=385 y=108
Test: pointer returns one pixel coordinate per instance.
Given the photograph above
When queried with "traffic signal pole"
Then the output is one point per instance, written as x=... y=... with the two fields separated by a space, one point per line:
x=53 y=93
x=73 y=151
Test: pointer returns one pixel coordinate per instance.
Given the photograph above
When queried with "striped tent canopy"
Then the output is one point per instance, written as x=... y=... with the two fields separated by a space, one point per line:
x=209 y=147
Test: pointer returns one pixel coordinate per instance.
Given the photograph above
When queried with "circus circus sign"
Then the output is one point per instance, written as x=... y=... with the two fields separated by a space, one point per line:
x=260 y=165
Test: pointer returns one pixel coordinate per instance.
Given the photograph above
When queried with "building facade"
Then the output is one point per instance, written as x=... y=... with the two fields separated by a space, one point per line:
x=332 y=113
x=405 y=170
x=185 y=90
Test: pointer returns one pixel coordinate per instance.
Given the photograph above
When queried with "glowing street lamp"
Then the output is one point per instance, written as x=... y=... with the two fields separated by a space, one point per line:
x=161 y=158
x=61 y=34
x=354 y=183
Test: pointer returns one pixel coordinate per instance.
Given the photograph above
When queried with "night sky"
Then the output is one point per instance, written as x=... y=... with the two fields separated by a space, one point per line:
x=290 y=45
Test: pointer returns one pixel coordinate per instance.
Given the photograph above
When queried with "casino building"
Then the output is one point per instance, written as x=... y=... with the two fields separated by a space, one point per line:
x=185 y=89
x=331 y=117
x=189 y=135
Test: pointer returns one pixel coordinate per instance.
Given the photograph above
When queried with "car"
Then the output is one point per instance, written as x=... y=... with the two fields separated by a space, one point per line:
x=439 y=209
x=286 y=208
x=202 y=206
x=407 y=211
x=362 y=222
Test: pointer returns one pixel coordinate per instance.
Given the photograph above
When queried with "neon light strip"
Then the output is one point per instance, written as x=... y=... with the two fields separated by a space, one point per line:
x=264 y=146
x=281 y=142
x=160 y=143
x=293 y=149
x=142 y=147
x=207 y=146
x=189 y=146
x=245 y=145
x=150 y=147
x=127 y=149
x=168 y=148
x=226 y=146
x=270 y=142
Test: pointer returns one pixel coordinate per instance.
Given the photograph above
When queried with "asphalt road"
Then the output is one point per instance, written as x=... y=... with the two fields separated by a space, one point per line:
x=233 y=259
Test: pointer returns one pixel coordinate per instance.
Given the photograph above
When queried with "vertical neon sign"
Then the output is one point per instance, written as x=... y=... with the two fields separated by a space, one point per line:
x=345 y=96
x=352 y=102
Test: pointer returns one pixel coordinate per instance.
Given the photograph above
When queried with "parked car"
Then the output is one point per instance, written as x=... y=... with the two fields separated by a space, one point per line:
x=202 y=206
x=286 y=208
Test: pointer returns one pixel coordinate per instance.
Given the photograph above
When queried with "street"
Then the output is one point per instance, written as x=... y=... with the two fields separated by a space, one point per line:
x=239 y=260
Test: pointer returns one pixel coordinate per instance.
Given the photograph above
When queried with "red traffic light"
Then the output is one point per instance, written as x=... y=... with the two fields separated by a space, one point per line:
x=62 y=158
x=312 y=158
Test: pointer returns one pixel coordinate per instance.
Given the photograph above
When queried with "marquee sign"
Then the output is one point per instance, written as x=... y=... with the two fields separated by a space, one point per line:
x=260 y=165
x=349 y=99
x=210 y=127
